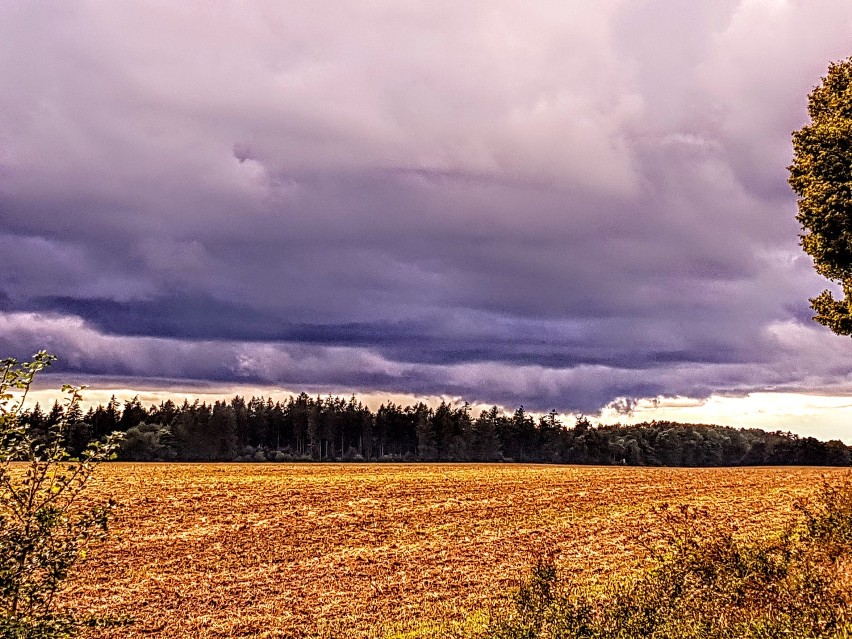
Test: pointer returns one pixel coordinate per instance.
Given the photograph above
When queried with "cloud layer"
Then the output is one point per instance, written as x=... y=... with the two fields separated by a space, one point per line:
x=555 y=205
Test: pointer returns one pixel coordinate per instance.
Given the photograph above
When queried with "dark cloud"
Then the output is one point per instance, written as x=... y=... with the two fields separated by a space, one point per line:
x=558 y=206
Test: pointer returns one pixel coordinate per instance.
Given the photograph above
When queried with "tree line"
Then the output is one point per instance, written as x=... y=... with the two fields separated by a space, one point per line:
x=305 y=428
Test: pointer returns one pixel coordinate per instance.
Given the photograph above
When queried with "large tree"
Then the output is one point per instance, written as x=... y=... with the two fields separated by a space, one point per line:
x=821 y=175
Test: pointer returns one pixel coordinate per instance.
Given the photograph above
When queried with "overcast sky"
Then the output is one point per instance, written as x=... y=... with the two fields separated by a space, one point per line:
x=554 y=204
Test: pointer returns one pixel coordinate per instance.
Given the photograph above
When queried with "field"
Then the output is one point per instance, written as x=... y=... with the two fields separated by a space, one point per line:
x=325 y=550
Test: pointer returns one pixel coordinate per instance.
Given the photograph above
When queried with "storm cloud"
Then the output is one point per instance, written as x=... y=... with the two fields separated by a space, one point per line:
x=557 y=204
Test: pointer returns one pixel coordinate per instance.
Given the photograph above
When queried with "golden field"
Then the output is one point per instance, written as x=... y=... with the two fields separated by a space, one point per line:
x=371 y=550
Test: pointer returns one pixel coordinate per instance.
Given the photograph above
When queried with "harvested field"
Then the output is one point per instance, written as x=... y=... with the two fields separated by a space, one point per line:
x=285 y=550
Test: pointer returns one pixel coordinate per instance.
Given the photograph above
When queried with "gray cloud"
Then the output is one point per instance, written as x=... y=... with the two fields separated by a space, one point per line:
x=555 y=206
x=800 y=359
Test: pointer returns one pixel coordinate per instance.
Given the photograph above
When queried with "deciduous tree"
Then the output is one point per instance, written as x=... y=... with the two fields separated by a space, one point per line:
x=821 y=175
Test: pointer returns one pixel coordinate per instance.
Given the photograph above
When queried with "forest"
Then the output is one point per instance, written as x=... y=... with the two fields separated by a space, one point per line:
x=305 y=428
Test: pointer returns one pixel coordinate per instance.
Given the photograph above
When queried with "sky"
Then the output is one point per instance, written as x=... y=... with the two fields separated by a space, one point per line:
x=568 y=205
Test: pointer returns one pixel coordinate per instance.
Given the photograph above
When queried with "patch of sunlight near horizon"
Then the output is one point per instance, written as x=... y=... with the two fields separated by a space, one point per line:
x=822 y=416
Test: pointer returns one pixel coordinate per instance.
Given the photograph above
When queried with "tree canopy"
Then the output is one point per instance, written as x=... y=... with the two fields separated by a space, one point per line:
x=821 y=175
x=304 y=428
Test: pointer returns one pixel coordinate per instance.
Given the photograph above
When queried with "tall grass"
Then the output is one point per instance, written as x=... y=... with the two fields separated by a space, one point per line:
x=707 y=580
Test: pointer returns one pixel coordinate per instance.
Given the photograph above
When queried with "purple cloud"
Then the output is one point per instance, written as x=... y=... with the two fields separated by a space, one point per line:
x=556 y=206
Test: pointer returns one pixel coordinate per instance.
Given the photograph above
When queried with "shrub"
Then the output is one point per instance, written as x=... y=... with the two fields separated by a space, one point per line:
x=708 y=581
x=46 y=524
x=144 y=443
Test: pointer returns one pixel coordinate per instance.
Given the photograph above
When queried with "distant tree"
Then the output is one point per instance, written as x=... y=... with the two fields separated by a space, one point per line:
x=279 y=435
x=366 y=435
x=191 y=434
x=427 y=442
x=315 y=429
x=398 y=431
x=451 y=427
x=79 y=432
x=297 y=411
x=581 y=425
x=105 y=419
x=163 y=414
x=133 y=414
x=821 y=175
x=241 y=421
x=36 y=422
x=518 y=437
x=222 y=432
x=550 y=434
x=56 y=414
x=485 y=443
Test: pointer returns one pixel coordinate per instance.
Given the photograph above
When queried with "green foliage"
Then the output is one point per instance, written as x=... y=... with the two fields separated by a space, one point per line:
x=145 y=442
x=46 y=524
x=708 y=581
x=821 y=175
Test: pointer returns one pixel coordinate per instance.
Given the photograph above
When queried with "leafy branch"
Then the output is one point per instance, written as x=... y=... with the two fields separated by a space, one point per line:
x=46 y=521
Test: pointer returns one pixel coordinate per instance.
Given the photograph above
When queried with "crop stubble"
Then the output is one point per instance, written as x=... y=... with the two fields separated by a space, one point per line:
x=288 y=550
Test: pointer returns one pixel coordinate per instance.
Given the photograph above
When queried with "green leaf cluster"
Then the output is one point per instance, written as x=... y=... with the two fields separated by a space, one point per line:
x=46 y=521
x=821 y=175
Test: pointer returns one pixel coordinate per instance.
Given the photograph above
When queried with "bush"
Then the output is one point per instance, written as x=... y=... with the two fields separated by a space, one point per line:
x=46 y=524
x=144 y=443
x=708 y=581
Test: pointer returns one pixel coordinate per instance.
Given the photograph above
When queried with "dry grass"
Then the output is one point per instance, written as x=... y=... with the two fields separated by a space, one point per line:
x=245 y=550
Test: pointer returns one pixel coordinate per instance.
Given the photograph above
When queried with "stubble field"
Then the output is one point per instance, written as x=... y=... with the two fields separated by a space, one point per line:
x=369 y=550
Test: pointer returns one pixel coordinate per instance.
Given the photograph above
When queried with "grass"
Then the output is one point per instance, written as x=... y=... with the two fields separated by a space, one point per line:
x=324 y=550
x=705 y=580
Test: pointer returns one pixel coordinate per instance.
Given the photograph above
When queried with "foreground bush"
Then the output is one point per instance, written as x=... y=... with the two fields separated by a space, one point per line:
x=46 y=521
x=707 y=581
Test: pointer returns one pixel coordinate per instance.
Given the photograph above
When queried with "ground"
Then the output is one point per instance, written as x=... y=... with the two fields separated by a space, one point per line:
x=369 y=550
